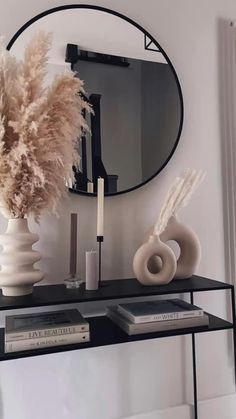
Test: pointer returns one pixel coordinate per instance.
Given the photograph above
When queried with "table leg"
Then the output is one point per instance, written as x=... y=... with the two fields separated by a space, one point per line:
x=194 y=370
x=234 y=329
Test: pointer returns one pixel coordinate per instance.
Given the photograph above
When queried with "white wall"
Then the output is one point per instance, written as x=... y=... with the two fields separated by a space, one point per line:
x=126 y=380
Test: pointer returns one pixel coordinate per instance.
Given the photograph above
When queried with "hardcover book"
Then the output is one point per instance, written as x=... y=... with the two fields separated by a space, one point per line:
x=161 y=310
x=45 y=342
x=44 y=324
x=139 y=328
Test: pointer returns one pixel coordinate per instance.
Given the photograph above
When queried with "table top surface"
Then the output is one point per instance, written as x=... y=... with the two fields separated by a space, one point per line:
x=48 y=295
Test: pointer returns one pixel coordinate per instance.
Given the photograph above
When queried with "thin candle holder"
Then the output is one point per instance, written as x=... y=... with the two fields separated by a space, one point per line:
x=73 y=281
x=100 y=241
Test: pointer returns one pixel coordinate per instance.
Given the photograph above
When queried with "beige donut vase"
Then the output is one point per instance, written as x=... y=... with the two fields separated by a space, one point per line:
x=190 y=248
x=165 y=273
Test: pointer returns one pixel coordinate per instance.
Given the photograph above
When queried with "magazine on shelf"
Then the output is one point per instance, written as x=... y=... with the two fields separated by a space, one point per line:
x=151 y=327
x=160 y=310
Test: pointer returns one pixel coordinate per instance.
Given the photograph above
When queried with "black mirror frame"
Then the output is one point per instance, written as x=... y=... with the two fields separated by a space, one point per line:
x=146 y=34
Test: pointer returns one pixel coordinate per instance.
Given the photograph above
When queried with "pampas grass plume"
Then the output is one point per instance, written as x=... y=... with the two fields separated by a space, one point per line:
x=39 y=130
x=178 y=196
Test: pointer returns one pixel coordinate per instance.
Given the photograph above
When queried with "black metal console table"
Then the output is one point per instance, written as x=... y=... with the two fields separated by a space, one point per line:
x=103 y=332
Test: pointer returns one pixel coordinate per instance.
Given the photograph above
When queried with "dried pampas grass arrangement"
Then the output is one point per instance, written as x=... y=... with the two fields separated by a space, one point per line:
x=178 y=196
x=39 y=129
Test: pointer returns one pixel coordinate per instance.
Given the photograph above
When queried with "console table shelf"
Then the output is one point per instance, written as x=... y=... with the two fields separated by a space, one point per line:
x=48 y=295
x=104 y=332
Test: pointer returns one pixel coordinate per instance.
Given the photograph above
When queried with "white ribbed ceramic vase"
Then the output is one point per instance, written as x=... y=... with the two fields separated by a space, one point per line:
x=17 y=258
x=164 y=272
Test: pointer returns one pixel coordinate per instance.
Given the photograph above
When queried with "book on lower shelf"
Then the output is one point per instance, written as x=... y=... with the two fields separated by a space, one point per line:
x=45 y=329
x=132 y=328
x=160 y=310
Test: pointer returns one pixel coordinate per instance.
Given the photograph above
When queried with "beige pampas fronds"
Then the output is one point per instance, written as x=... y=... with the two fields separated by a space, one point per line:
x=178 y=196
x=39 y=129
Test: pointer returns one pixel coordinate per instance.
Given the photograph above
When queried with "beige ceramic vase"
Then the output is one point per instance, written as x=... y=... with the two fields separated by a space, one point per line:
x=166 y=268
x=17 y=258
x=189 y=244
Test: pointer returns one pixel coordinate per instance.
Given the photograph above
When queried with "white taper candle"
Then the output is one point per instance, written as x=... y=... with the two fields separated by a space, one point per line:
x=100 y=206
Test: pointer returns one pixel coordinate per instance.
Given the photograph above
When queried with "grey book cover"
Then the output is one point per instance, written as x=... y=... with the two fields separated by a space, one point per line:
x=43 y=320
x=149 y=308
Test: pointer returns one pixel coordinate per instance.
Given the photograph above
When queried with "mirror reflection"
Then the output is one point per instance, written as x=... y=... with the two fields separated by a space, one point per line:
x=136 y=116
x=133 y=90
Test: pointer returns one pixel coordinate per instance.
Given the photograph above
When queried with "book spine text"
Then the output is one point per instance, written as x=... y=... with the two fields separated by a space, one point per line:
x=29 y=344
x=161 y=317
x=45 y=333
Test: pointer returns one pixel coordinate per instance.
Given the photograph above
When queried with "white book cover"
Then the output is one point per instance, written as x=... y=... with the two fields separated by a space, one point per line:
x=46 y=333
x=30 y=344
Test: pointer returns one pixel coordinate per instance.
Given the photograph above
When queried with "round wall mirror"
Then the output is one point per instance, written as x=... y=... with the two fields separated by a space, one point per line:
x=131 y=85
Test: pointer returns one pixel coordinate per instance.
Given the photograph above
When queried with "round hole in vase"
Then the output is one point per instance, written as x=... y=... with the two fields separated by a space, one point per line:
x=174 y=245
x=155 y=264
x=154 y=247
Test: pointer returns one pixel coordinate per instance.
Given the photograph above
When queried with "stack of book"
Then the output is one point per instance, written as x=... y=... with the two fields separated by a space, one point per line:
x=156 y=316
x=42 y=330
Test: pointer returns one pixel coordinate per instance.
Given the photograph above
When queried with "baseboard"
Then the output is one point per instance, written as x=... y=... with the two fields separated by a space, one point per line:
x=179 y=412
x=218 y=408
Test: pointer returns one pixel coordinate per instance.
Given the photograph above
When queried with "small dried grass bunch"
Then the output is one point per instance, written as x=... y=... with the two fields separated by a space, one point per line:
x=178 y=196
x=39 y=130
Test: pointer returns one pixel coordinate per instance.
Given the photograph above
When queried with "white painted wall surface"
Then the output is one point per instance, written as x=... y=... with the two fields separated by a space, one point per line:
x=126 y=380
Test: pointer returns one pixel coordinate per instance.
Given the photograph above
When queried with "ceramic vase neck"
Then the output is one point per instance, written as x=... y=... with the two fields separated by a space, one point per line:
x=17 y=225
x=154 y=238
